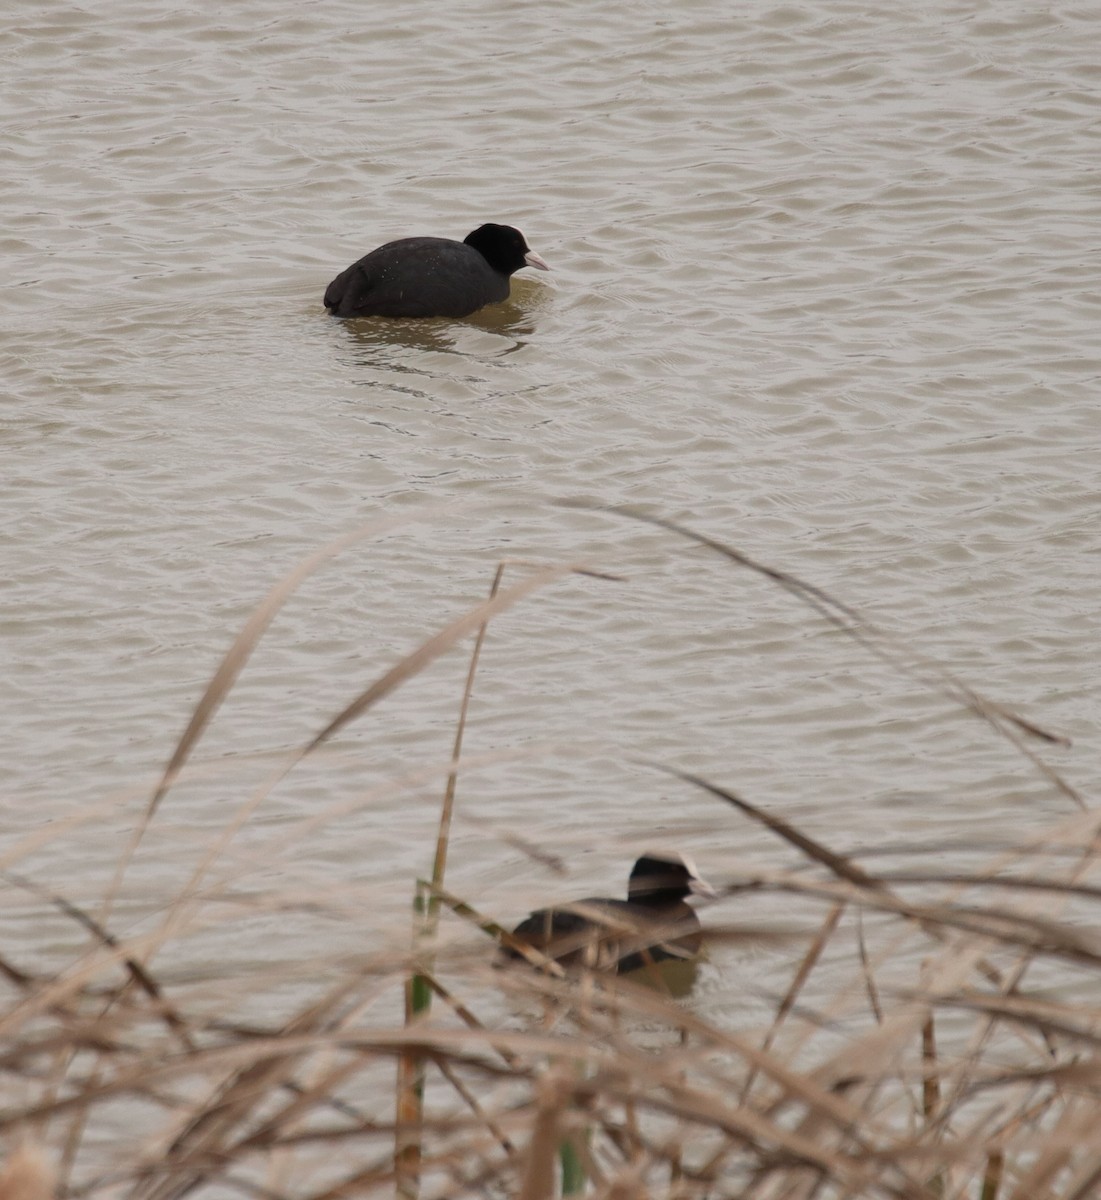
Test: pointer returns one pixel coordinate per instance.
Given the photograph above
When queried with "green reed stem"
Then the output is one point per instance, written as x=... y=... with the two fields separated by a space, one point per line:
x=418 y=991
x=573 y=1170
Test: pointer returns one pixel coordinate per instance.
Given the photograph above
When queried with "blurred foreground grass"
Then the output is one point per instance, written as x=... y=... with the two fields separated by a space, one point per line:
x=949 y=1051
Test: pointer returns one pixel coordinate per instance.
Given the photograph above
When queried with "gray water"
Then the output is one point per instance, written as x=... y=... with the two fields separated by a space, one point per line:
x=825 y=288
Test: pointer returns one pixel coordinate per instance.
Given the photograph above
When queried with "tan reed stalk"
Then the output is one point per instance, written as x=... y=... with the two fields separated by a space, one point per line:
x=992 y=1176
x=866 y=971
x=26 y=1175
x=226 y=675
x=538 y=1179
x=802 y=974
x=426 y=907
x=930 y=1094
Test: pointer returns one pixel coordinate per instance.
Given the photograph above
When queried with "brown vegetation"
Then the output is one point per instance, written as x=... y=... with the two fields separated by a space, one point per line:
x=936 y=1039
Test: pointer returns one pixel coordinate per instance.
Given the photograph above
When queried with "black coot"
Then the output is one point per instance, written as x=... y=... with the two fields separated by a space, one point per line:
x=432 y=277
x=653 y=925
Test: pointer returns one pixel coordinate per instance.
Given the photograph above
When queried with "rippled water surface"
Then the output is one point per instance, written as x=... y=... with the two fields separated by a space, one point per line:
x=825 y=288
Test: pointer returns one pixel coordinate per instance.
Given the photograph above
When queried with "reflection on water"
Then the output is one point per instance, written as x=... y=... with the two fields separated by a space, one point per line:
x=376 y=338
x=515 y=319
x=400 y=344
x=672 y=977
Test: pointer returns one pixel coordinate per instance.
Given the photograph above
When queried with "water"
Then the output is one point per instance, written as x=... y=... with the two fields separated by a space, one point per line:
x=825 y=288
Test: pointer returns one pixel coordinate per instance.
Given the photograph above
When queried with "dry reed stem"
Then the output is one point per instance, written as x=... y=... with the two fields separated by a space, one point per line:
x=406 y=668
x=552 y=1093
x=867 y=973
x=26 y=1175
x=802 y=974
x=626 y=1184
x=888 y=649
x=230 y=668
x=410 y=1074
x=992 y=1176
x=439 y=866
x=796 y=1087
x=930 y=1099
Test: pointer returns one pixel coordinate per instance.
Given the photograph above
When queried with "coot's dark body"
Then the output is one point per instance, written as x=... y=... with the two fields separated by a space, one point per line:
x=432 y=277
x=654 y=924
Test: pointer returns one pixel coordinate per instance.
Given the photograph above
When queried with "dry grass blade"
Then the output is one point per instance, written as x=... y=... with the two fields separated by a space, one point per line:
x=877 y=641
x=465 y=1014
x=408 y=667
x=756 y=1132
x=1086 y=1179
x=816 y=1098
x=246 y=641
x=988 y=881
x=992 y=1177
x=439 y=866
x=794 y=1086
x=259 y=621
x=13 y=974
x=412 y=664
x=206 y=1140
x=866 y=972
x=25 y=1175
x=226 y=675
x=930 y=1082
x=418 y=996
x=140 y=976
x=999 y=926
x=1074 y=1133
x=493 y=1127
x=1053 y=1020
x=552 y=1095
x=840 y=866
x=1030 y=932
x=802 y=974
x=498 y=932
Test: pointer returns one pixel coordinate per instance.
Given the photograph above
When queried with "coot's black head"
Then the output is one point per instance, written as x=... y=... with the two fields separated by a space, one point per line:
x=659 y=879
x=504 y=248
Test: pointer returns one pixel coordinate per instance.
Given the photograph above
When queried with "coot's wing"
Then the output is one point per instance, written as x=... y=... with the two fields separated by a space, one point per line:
x=385 y=282
x=457 y=281
x=416 y=277
x=676 y=941
x=588 y=932
x=611 y=935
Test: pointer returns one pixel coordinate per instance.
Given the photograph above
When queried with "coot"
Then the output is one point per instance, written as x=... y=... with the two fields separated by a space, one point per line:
x=653 y=925
x=432 y=277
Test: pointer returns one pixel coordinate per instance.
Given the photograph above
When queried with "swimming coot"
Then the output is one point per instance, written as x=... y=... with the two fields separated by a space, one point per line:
x=432 y=277
x=653 y=925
